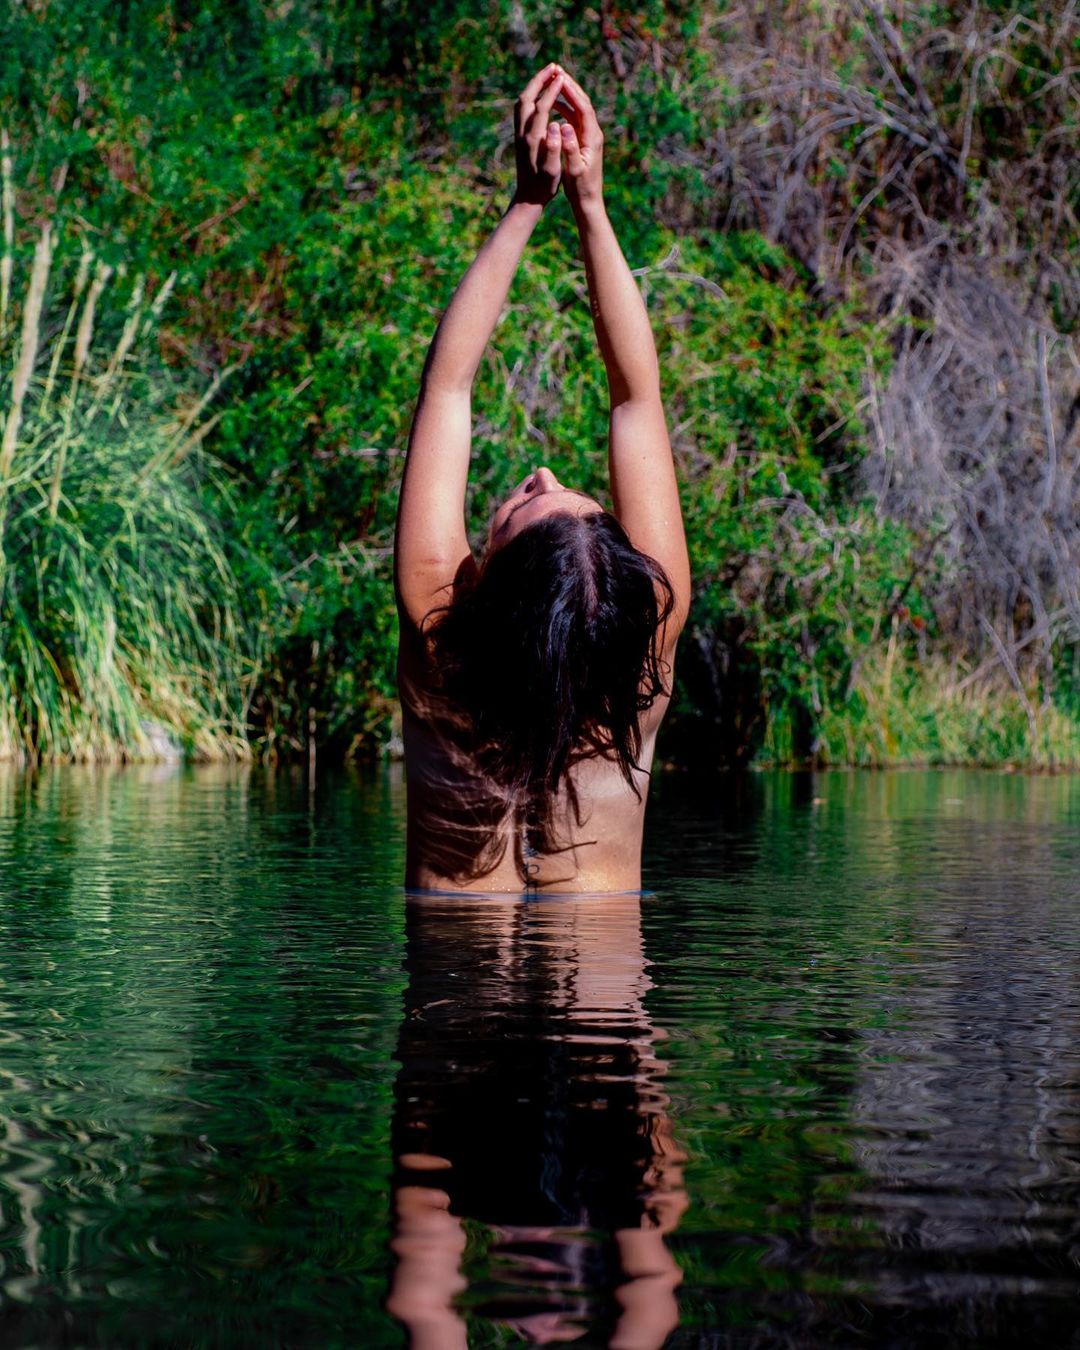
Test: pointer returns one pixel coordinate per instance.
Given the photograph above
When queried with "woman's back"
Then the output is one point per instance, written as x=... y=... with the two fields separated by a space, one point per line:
x=461 y=837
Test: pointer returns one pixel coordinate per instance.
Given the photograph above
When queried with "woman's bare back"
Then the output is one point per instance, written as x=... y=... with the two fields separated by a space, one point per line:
x=459 y=839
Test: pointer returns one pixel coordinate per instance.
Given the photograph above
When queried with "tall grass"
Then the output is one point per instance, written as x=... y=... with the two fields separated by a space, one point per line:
x=120 y=622
x=920 y=713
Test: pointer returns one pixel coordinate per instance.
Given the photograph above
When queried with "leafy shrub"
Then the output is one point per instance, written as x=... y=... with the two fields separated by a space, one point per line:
x=120 y=621
x=323 y=175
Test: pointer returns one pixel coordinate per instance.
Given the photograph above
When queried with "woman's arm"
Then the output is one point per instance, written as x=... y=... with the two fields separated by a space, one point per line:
x=643 y=485
x=431 y=544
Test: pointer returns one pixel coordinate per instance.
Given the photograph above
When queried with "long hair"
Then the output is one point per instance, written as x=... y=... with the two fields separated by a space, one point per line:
x=549 y=657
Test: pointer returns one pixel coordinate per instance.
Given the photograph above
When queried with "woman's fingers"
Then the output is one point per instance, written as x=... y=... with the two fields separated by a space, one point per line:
x=572 y=150
x=575 y=91
x=568 y=111
x=587 y=126
x=574 y=107
x=523 y=109
x=547 y=148
x=538 y=123
x=532 y=89
x=551 y=152
x=537 y=139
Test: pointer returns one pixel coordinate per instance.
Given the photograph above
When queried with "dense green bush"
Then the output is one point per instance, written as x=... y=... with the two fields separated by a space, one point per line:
x=321 y=174
x=760 y=386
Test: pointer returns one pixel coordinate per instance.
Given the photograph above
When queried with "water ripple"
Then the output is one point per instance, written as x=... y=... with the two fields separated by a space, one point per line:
x=821 y=1087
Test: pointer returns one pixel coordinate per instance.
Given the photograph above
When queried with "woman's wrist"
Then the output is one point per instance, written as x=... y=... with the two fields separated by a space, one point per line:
x=525 y=210
x=520 y=220
x=588 y=210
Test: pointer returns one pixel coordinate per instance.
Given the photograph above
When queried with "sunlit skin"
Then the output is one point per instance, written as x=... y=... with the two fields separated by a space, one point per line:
x=539 y=494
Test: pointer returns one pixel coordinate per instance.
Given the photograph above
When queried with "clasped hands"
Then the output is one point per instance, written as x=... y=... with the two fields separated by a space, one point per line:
x=549 y=152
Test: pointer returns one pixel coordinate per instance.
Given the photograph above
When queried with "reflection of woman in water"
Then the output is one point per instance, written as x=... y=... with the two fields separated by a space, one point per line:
x=529 y=1101
x=533 y=682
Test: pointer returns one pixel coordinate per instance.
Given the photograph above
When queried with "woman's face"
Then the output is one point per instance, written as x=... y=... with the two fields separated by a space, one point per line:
x=540 y=494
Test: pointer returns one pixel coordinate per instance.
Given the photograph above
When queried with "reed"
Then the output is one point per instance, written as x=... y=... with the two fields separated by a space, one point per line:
x=7 y=224
x=25 y=354
x=924 y=715
x=121 y=628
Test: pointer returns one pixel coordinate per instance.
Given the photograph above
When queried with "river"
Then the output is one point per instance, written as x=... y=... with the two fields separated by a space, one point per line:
x=819 y=1086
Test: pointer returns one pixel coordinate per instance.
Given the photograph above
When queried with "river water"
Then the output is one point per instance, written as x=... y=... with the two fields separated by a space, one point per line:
x=821 y=1086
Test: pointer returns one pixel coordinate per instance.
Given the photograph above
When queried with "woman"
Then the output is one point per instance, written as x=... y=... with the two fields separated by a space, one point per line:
x=533 y=683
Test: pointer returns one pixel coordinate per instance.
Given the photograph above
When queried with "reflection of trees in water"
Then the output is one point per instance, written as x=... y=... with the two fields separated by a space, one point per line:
x=875 y=1060
x=529 y=1103
x=192 y=1008
x=968 y=1101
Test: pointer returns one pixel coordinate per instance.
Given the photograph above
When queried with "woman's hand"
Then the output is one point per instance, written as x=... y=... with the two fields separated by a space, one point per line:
x=537 y=142
x=582 y=146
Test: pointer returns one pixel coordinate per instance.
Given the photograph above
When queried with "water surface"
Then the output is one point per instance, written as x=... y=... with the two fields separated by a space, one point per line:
x=821 y=1087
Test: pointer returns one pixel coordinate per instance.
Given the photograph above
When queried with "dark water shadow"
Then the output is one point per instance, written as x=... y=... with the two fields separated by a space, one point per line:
x=536 y=1169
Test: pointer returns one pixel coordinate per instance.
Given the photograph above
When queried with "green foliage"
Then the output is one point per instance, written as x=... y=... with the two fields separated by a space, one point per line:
x=120 y=621
x=921 y=713
x=792 y=576
x=322 y=175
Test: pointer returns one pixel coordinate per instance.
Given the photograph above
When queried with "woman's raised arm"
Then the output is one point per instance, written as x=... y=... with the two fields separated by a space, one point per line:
x=431 y=544
x=643 y=485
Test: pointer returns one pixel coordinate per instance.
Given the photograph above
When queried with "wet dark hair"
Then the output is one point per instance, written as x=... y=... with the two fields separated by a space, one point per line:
x=547 y=657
